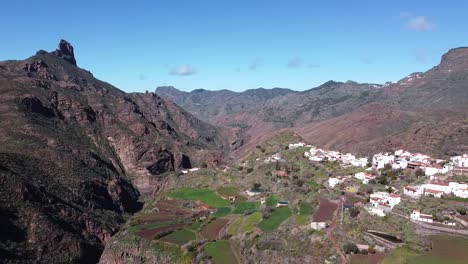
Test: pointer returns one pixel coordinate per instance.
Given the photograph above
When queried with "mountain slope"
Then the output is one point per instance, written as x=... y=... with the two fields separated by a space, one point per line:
x=76 y=152
x=357 y=117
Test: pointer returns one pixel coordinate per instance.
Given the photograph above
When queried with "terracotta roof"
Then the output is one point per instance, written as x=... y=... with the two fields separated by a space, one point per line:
x=394 y=195
x=440 y=183
x=433 y=191
x=411 y=188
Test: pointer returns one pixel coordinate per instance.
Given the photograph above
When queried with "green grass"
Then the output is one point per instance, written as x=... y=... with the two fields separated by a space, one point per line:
x=220 y=252
x=272 y=200
x=456 y=199
x=204 y=195
x=196 y=226
x=244 y=206
x=171 y=253
x=278 y=216
x=313 y=184
x=223 y=211
x=302 y=219
x=445 y=250
x=250 y=221
x=180 y=237
x=228 y=191
x=305 y=209
x=234 y=227
x=401 y=255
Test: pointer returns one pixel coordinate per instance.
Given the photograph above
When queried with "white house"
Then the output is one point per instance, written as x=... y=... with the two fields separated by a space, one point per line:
x=332 y=182
x=384 y=198
x=381 y=159
x=460 y=161
x=432 y=192
x=318 y=225
x=434 y=169
x=378 y=211
x=413 y=191
x=361 y=162
x=365 y=177
x=296 y=145
x=439 y=186
x=417 y=216
x=399 y=164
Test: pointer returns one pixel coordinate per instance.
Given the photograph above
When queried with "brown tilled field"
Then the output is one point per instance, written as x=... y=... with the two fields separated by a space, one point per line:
x=150 y=233
x=325 y=211
x=367 y=259
x=211 y=230
x=168 y=210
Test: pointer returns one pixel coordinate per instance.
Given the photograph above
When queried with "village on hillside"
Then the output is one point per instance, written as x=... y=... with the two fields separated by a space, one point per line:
x=286 y=197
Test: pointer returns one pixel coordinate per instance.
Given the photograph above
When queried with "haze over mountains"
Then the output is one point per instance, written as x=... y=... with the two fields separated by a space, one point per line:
x=422 y=112
x=76 y=153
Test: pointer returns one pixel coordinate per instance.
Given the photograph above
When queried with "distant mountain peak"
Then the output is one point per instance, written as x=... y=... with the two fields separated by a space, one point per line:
x=65 y=51
x=455 y=57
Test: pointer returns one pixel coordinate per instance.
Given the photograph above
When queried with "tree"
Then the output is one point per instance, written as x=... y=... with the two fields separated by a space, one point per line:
x=256 y=186
x=382 y=180
x=350 y=248
x=277 y=166
x=461 y=210
x=372 y=249
x=354 y=211
x=249 y=170
x=362 y=189
x=419 y=173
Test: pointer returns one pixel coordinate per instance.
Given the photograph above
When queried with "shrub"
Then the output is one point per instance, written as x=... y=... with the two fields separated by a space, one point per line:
x=350 y=248
x=353 y=211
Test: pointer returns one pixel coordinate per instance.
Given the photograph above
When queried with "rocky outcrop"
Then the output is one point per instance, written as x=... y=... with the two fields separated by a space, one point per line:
x=65 y=51
x=76 y=153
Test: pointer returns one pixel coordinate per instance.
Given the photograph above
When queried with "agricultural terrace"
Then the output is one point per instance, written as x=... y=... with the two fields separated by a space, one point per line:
x=204 y=195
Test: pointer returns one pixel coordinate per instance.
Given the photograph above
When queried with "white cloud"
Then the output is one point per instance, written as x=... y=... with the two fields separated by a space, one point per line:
x=419 y=23
x=183 y=70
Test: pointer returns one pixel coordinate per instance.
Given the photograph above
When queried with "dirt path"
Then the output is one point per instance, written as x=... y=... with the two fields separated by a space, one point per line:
x=330 y=231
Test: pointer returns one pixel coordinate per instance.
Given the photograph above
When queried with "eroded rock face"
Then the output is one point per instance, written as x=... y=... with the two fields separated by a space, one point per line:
x=76 y=153
x=65 y=51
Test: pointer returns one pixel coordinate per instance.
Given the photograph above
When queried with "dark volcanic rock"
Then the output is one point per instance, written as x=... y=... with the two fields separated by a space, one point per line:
x=76 y=153
x=65 y=51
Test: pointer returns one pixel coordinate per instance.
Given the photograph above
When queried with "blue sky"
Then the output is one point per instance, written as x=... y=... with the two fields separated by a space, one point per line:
x=238 y=45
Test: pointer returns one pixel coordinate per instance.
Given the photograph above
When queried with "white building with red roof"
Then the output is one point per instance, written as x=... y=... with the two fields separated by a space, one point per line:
x=417 y=216
x=364 y=177
x=413 y=191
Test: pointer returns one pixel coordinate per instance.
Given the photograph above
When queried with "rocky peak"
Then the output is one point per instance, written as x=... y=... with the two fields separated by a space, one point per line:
x=65 y=51
x=455 y=58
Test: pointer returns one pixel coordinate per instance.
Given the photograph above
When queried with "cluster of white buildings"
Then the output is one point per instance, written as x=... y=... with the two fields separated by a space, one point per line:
x=318 y=154
x=402 y=159
x=382 y=202
x=437 y=189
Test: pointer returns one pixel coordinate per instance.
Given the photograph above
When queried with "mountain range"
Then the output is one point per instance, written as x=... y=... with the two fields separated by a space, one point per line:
x=77 y=154
x=425 y=112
